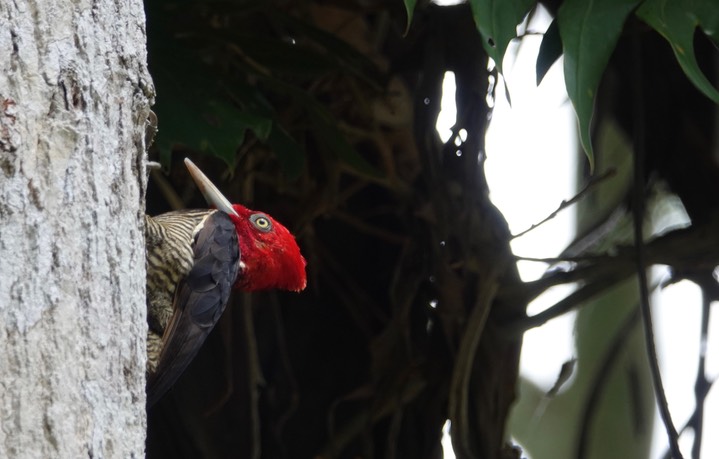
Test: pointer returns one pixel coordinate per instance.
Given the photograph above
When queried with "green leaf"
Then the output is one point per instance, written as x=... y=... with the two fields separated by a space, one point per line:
x=549 y=51
x=497 y=22
x=409 y=6
x=210 y=125
x=589 y=30
x=677 y=20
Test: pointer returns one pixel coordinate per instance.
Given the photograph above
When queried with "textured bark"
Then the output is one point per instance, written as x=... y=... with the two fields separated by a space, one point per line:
x=74 y=96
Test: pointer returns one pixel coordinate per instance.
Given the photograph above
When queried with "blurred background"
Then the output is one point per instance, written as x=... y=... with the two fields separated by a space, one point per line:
x=382 y=135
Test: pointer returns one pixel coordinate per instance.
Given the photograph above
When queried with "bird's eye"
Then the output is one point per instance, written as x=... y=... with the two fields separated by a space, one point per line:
x=261 y=222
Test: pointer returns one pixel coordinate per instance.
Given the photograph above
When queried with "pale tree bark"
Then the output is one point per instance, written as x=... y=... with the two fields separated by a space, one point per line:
x=74 y=97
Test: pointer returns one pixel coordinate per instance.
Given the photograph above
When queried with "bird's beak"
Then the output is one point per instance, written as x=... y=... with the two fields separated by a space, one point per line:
x=209 y=190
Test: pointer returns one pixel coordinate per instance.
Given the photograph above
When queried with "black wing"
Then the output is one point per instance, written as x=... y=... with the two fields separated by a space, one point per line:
x=200 y=299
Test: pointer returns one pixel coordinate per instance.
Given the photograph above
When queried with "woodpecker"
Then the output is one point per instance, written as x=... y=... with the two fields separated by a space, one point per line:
x=194 y=259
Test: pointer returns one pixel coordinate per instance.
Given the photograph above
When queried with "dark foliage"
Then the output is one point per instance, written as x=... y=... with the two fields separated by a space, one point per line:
x=326 y=117
x=323 y=114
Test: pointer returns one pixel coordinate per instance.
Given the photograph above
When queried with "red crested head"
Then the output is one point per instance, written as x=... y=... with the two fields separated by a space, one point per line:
x=270 y=255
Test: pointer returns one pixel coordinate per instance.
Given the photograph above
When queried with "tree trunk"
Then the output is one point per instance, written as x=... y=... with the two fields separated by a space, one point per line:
x=74 y=96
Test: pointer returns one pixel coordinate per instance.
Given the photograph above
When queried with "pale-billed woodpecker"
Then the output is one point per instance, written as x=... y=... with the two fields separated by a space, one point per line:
x=194 y=259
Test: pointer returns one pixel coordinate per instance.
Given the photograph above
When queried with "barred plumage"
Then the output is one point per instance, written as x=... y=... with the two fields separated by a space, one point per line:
x=168 y=241
x=192 y=263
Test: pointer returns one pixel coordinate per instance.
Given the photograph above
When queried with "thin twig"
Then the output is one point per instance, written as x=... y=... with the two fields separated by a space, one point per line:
x=593 y=287
x=641 y=267
x=683 y=249
x=564 y=204
x=701 y=384
x=565 y=259
x=689 y=423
